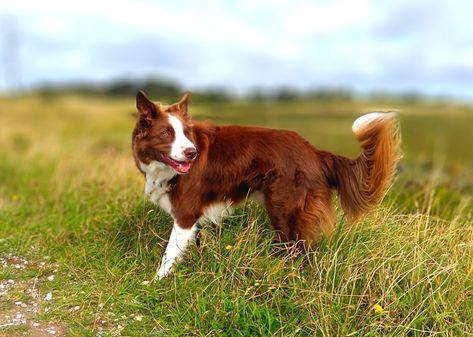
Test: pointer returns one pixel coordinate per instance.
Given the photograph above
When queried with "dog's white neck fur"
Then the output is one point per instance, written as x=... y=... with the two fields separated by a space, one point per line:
x=181 y=142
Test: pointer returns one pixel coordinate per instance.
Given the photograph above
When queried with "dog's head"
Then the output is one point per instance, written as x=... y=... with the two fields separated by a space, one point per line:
x=164 y=134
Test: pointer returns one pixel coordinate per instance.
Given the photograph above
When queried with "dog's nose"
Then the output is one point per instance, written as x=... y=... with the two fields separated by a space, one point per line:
x=190 y=153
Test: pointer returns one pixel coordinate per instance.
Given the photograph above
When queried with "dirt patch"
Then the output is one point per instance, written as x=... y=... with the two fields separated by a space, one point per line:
x=26 y=298
x=21 y=301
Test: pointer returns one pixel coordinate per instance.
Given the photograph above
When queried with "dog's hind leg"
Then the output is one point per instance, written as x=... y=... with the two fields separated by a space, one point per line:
x=282 y=213
x=281 y=199
x=315 y=216
x=302 y=220
x=178 y=242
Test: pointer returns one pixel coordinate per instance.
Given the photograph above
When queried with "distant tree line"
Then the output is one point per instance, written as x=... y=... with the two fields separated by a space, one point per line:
x=168 y=91
x=157 y=88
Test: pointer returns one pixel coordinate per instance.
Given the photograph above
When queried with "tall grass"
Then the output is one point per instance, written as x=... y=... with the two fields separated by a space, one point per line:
x=69 y=191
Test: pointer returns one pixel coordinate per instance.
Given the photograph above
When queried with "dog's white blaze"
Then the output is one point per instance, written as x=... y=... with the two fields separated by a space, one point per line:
x=181 y=142
x=157 y=175
x=364 y=120
x=215 y=212
x=178 y=242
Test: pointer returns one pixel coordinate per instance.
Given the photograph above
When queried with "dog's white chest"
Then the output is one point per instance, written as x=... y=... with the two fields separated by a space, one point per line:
x=157 y=193
x=156 y=187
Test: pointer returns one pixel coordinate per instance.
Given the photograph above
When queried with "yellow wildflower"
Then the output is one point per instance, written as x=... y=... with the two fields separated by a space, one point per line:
x=229 y=247
x=378 y=309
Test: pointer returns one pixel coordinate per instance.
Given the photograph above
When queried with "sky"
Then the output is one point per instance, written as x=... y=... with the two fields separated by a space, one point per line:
x=364 y=45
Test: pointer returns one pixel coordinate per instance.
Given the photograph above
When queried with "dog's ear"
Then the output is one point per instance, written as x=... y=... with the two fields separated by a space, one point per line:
x=147 y=109
x=182 y=106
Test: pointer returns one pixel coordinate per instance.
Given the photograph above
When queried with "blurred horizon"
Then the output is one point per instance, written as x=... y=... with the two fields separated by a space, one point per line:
x=363 y=47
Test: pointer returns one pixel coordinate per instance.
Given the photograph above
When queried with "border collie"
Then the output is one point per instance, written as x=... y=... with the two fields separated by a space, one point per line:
x=198 y=172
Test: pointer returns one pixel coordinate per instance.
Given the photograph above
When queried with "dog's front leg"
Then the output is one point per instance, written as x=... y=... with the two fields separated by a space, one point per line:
x=178 y=242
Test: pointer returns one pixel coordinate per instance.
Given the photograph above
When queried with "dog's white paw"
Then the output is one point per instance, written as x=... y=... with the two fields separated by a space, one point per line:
x=162 y=273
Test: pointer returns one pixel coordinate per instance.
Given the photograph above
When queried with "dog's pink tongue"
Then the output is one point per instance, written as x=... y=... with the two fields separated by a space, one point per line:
x=184 y=167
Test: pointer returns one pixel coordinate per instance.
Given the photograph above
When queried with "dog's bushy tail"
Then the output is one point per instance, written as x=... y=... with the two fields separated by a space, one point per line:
x=361 y=183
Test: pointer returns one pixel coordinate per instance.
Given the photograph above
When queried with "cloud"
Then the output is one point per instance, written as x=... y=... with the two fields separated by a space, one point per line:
x=320 y=18
x=364 y=44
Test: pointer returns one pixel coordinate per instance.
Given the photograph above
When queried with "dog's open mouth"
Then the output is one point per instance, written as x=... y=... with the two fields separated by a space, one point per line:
x=180 y=166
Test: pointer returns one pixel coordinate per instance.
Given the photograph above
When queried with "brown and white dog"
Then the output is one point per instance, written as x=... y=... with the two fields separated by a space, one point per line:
x=197 y=172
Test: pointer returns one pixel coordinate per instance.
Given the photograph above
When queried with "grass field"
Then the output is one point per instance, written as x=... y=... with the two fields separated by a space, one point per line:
x=74 y=223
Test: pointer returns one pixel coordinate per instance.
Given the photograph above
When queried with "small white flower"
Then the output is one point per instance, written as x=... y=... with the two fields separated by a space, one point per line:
x=138 y=318
x=50 y=277
x=145 y=283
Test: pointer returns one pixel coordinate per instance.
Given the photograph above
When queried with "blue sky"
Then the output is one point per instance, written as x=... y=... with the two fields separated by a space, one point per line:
x=366 y=45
